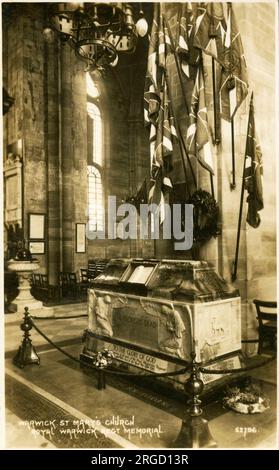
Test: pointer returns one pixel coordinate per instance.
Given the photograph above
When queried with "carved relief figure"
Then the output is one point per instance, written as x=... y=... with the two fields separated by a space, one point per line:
x=175 y=327
x=103 y=315
x=91 y=311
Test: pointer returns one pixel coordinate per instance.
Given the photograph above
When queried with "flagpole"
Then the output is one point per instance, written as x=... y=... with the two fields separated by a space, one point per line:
x=231 y=84
x=177 y=64
x=180 y=137
x=187 y=156
x=233 y=184
x=216 y=133
x=235 y=262
x=181 y=142
x=211 y=176
x=212 y=185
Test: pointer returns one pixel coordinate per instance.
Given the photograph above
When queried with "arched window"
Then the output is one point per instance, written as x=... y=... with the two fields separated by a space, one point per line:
x=94 y=159
x=95 y=199
x=94 y=134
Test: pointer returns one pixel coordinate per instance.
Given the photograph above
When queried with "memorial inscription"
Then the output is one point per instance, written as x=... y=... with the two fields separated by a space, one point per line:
x=130 y=326
x=139 y=359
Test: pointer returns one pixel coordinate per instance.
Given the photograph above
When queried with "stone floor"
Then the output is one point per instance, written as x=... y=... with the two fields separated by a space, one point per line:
x=58 y=404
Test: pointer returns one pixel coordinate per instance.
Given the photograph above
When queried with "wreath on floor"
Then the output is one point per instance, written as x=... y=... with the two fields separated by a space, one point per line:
x=205 y=215
x=248 y=401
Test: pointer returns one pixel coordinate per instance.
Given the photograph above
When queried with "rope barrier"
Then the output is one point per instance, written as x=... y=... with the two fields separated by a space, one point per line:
x=116 y=372
x=60 y=318
x=204 y=370
x=234 y=371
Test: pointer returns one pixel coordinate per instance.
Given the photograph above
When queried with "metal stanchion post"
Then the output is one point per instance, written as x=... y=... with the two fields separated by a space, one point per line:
x=101 y=380
x=194 y=431
x=26 y=352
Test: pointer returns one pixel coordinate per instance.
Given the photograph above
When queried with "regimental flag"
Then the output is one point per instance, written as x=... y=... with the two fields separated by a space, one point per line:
x=198 y=140
x=253 y=173
x=189 y=55
x=161 y=147
x=210 y=28
x=234 y=79
x=157 y=112
x=159 y=45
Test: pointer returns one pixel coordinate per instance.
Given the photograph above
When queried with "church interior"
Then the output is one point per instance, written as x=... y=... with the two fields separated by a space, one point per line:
x=139 y=225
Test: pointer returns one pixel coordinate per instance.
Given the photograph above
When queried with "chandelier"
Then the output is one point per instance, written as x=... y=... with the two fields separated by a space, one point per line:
x=98 y=31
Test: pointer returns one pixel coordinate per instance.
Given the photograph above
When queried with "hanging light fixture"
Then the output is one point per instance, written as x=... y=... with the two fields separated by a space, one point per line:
x=98 y=31
x=141 y=24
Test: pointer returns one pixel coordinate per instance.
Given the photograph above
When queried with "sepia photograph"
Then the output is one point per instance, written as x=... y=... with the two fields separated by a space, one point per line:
x=139 y=226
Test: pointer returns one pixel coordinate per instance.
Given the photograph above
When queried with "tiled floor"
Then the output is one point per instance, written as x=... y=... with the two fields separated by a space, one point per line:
x=152 y=420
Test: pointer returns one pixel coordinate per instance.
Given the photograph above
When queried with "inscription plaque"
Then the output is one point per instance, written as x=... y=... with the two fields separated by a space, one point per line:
x=139 y=359
x=230 y=363
x=128 y=326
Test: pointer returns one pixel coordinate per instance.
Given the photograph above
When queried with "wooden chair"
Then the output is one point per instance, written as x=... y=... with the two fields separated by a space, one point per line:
x=267 y=318
x=91 y=269
x=100 y=266
x=64 y=284
x=36 y=285
x=49 y=292
x=84 y=282
x=96 y=267
x=44 y=287
x=73 y=284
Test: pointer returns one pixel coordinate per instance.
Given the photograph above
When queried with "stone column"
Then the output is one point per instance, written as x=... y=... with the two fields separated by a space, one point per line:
x=53 y=160
x=67 y=159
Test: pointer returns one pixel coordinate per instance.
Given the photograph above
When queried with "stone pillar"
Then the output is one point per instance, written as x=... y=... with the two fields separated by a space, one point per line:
x=53 y=158
x=79 y=146
x=33 y=118
x=134 y=180
x=67 y=159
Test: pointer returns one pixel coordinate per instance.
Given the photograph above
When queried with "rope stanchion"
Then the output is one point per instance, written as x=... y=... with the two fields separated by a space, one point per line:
x=26 y=353
x=194 y=431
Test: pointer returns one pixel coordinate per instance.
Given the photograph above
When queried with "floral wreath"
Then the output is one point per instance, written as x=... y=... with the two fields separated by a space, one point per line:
x=248 y=401
x=205 y=215
x=103 y=358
